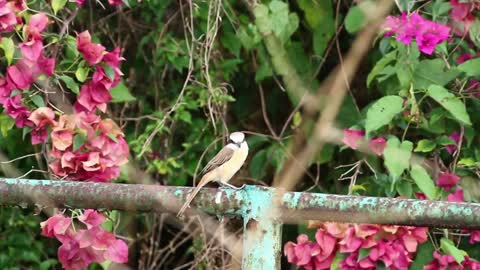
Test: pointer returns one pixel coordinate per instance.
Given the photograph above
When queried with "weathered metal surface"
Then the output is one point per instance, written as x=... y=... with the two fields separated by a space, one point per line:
x=376 y=210
x=295 y=207
x=142 y=198
x=262 y=230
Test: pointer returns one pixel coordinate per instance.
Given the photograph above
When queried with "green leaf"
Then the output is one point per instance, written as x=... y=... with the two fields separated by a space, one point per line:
x=404 y=188
x=70 y=83
x=355 y=19
x=319 y=17
x=25 y=131
x=120 y=93
x=58 y=5
x=38 y=101
x=185 y=116
x=429 y=72
x=423 y=256
x=326 y=154
x=291 y=27
x=363 y=253
x=110 y=221
x=448 y=247
x=450 y=102
x=112 y=137
x=48 y=264
x=258 y=163
x=382 y=112
x=264 y=71
x=397 y=156
x=339 y=257
x=423 y=181
x=8 y=48
x=6 y=124
x=469 y=162
x=444 y=140
x=109 y=72
x=425 y=146
x=81 y=73
x=380 y=65
x=262 y=19
x=470 y=67
x=278 y=17
x=78 y=141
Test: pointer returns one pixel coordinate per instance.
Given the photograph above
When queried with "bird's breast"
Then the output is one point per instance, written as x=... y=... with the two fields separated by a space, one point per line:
x=229 y=168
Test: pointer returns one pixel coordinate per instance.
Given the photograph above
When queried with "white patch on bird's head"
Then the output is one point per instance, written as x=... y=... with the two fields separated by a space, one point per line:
x=237 y=137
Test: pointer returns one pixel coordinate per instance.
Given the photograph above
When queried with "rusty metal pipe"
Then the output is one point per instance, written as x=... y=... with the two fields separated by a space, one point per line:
x=296 y=207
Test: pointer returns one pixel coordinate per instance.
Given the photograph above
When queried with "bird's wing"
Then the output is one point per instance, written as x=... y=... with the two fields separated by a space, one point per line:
x=223 y=156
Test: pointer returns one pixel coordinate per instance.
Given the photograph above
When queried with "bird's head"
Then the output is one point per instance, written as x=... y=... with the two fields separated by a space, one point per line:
x=237 y=138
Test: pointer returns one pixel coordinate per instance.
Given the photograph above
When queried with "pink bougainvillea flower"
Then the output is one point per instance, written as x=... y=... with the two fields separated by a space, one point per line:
x=117 y=252
x=392 y=246
x=352 y=136
x=38 y=135
x=462 y=58
x=461 y=14
x=92 y=53
x=377 y=145
x=433 y=34
x=301 y=253
x=72 y=257
x=406 y=28
x=31 y=51
x=456 y=196
x=441 y=262
x=91 y=218
x=5 y=90
x=17 y=5
x=327 y=244
x=82 y=247
x=20 y=75
x=36 y=24
x=115 y=2
x=455 y=136
x=420 y=196
x=62 y=138
x=447 y=180
x=55 y=226
x=8 y=20
x=15 y=109
x=92 y=96
x=43 y=116
x=338 y=230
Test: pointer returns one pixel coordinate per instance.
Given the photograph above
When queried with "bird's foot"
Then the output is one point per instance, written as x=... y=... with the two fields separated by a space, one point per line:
x=224 y=185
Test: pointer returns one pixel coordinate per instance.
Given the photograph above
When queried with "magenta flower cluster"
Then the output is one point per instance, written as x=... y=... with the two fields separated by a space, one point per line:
x=81 y=247
x=363 y=245
x=426 y=33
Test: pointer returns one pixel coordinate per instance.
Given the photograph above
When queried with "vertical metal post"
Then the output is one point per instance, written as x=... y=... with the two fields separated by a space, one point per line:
x=262 y=231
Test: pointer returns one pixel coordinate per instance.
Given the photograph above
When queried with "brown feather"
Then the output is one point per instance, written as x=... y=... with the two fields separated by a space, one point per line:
x=223 y=156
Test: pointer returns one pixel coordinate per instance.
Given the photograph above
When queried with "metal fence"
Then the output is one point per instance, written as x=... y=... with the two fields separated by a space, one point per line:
x=256 y=205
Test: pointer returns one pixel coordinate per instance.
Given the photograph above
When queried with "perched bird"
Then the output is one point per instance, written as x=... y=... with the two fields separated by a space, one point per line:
x=222 y=167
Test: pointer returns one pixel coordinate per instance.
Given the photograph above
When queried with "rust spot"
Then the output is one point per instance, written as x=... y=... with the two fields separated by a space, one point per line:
x=252 y=225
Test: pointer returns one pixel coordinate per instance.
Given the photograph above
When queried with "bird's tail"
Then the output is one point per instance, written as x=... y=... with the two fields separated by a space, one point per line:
x=190 y=197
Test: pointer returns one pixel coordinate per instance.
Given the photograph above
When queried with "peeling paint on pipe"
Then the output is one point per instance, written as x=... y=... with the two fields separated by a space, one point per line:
x=296 y=207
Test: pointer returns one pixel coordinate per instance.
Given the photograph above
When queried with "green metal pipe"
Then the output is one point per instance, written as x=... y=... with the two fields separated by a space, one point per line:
x=262 y=221
x=295 y=207
x=262 y=230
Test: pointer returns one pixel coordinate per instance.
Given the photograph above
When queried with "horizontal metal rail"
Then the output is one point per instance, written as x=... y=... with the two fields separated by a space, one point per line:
x=262 y=223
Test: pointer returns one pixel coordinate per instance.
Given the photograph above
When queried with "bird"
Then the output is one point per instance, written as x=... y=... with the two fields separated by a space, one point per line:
x=222 y=167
